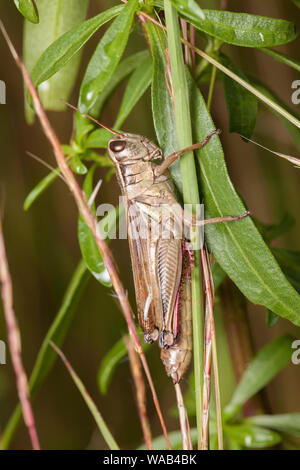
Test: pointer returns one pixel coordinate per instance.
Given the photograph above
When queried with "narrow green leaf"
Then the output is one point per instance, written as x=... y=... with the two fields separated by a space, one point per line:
x=162 y=110
x=288 y=423
x=136 y=87
x=238 y=246
x=106 y=57
x=284 y=59
x=58 y=54
x=190 y=192
x=77 y=165
x=273 y=357
x=218 y=275
x=289 y=262
x=102 y=426
x=277 y=230
x=98 y=139
x=110 y=362
x=252 y=437
x=241 y=104
x=46 y=356
x=240 y=29
x=28 y=9
x=88 y=246
x=128 y=65
x=56 y=18
x=297 y=3
x=40 y=188
x=124 y=68
x=271 y=319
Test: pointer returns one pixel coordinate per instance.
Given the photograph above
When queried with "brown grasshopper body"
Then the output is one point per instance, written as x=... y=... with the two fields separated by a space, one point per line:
x=157 y=250
x=157 y=246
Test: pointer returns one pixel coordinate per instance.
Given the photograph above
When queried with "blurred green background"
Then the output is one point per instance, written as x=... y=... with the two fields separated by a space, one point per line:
x=43 y=249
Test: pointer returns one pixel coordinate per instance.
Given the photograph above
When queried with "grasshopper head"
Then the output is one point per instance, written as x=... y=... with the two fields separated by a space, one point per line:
x=127 y=148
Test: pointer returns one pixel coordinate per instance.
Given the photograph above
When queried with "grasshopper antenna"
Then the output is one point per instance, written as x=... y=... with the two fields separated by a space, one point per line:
x=51 y=168
x=294 y=160
x=109 y=129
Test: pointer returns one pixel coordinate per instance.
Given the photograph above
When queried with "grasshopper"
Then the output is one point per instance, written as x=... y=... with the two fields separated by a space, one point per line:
x=159 y=251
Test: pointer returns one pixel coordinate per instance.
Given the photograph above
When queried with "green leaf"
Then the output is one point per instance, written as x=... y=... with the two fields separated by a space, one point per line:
x=102 y=426
x=40 y=188
x=284 y=59
x=218 y=275
x=271 y=319
x=136 y=87
x=56 y=18
x=288 y=423
x=277 y=230
x=98 y=139
x=61 y=51
x=297 y=3
x=289 y=262
x=110 y=362
x=126 y=67
x=240 y=29
x=241 y=104
x=273 y=357
x=252 y=437
x=88 y=246
x=46 y=356
x=106 y=57
x=28 y=9
x=162 y=110
x=77 y=166
x=237 y=246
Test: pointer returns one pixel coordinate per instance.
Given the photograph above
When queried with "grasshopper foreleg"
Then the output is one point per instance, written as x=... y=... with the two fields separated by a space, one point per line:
x=160 y=169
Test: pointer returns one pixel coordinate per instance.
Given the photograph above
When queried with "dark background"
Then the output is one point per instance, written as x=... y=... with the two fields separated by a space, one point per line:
x=43 y=249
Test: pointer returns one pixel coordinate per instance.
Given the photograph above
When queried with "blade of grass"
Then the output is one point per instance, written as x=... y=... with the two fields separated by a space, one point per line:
x=190 y=187
x=109 y=439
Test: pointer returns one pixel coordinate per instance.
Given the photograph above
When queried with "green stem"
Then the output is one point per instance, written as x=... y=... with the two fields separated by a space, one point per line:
x=211 y=87
x=190 y=187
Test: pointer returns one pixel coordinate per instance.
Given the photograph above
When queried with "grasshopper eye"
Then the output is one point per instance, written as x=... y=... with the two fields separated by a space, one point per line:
x=117 y=146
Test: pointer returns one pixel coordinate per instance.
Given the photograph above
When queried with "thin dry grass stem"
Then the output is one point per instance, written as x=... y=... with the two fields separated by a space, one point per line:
x=140 y=389
x=224 y=4
x=183 y=419
x=14 y=341
x=206 y=379
x=88 y=217
x=209 y=353
x=155 y=399
x=184 y=27
x=192 y=41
